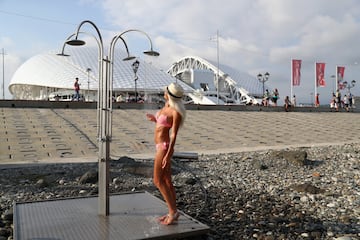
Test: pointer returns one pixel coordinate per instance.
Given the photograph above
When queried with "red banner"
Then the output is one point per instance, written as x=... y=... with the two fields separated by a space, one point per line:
x=320 y=74
x=296 y=72
x=340 y=76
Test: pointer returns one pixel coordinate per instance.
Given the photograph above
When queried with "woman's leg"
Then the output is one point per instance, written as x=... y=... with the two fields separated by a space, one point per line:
x=170 y=186
x=162 y=180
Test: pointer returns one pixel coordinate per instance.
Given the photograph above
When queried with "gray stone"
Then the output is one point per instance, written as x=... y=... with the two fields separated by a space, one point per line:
x=8 y=215
x=89 y=177
x=42 y=183
x=307 y=187
x=296 y=157
x=139 y=169
x=190 y=181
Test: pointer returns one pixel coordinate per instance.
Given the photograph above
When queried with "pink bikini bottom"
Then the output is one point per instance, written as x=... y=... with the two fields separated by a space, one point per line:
x=162 y=146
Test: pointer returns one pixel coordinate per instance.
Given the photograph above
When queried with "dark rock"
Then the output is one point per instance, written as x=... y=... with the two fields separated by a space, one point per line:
x=190 y=181
x=8 y=215
x=307 y=187
x=296 y=157
x=257 y=164
x=89 y=177
x=42 y=183
x=4 y=232
x=139 y=169
x=131 y=166
x=126 y=160
x=315 y=235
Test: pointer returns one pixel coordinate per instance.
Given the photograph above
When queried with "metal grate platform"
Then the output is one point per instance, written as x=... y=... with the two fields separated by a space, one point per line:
x=132 y=216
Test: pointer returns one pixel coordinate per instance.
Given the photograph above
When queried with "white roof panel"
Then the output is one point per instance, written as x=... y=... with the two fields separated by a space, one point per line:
x=52 y=70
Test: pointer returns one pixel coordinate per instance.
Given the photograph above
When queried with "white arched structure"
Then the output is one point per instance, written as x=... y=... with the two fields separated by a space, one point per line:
x=202 y=75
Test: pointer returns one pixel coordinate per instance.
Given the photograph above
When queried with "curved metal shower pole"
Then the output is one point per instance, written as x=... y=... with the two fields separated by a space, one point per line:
x=104 y=106
x=111 y=54
x=94 y=26
x=97 y=41
x=102 y=115
x=78 y=42
x=151 y=52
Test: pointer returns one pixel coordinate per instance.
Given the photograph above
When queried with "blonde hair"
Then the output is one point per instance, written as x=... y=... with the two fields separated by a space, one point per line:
x=179 y=106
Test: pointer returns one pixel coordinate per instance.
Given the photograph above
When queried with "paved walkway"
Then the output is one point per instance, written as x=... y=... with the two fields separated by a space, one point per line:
x=63 y=135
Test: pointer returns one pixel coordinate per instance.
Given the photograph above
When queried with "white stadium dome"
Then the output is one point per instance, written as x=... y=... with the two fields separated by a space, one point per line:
x=45 y=73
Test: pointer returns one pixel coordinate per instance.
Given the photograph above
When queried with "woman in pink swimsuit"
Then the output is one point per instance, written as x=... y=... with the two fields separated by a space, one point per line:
x=171 y=116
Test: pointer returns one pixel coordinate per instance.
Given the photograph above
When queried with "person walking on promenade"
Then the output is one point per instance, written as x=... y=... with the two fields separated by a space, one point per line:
x=275 y=96
x=317 y=100
x=293 y=101
x=266 y=98
x=287 y=103
x=350 y=100
x=171 y=116
x=337 y=99
x=346 y=103
x=77 y=89
x=332 y=102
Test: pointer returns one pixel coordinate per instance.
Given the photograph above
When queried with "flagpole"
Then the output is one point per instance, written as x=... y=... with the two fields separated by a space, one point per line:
x=291 y=79
x=336 y=78
x=315 y=85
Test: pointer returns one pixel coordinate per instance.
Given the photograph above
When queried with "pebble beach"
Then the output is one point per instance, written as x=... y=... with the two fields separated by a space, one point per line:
x=295 y=193
x=258 y=175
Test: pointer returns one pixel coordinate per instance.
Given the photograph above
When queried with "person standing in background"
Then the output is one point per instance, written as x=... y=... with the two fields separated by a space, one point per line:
x=317 y=100
x=287 y=103
x=350 y=100
x=293 y=101
x=275 y=96
x=266 y=98
x=346 y=103
x=337 y=99
x=77 y=89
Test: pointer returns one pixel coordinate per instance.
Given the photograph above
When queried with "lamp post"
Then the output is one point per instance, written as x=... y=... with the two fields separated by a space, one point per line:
x=135 y=67
x=88 y=70
x=334 y=80
x=104 y=105
x=350 y=85
x=3 y=73
x=263 y=79
x=218 y=66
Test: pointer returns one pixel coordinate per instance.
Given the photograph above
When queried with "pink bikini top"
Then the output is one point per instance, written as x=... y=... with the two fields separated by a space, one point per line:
x=161 y=120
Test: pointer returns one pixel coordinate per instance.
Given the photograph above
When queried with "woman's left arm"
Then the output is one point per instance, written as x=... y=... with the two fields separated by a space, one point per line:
x=151 y=117
x=174 y=130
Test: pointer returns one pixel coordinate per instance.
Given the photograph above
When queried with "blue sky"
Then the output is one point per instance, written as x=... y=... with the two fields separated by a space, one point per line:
x=255 y=35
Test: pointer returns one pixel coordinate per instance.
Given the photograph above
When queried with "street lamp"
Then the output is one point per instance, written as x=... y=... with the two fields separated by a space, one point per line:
x=3 y=73
x=349 y=86
x=88 y=70
x=104 y=105
x=334 y=81
x=263 y=79
x=135 y=67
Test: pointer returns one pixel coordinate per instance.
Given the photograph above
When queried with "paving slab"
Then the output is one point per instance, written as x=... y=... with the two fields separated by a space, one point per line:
x=48 y=135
